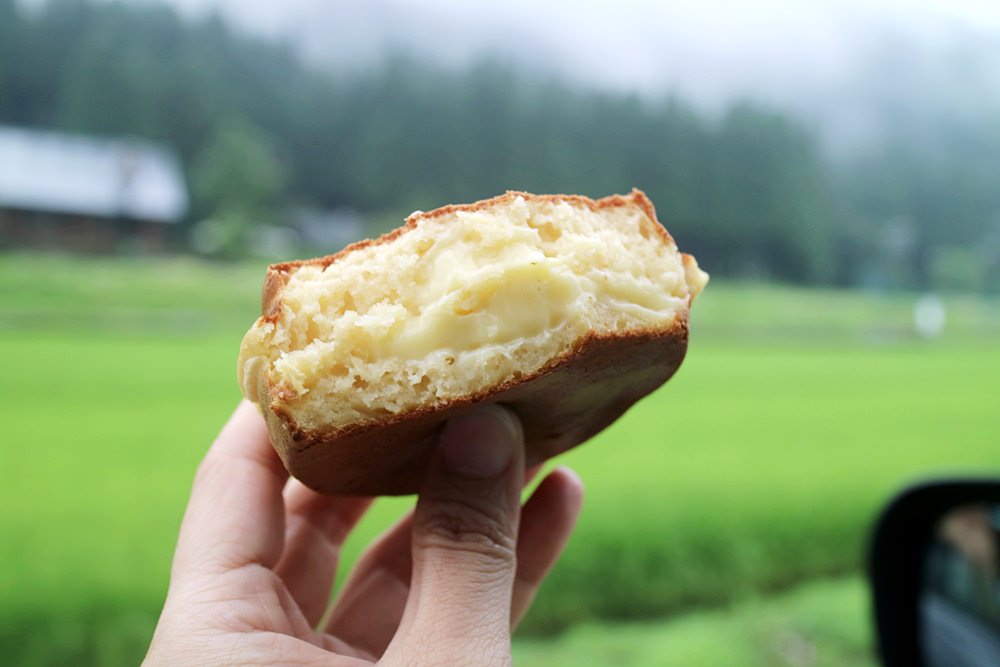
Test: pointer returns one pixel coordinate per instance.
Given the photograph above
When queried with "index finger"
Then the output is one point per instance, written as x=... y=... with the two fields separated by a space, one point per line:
x=235 y=516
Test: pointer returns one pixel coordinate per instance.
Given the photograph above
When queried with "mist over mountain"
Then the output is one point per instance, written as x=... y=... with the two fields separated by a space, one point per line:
x=902 y=96
x=858 y=73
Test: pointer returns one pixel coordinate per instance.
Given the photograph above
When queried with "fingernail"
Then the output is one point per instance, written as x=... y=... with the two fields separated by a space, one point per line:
x=480 y=444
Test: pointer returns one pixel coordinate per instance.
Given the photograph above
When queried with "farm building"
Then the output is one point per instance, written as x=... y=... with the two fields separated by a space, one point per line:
x=89 y=194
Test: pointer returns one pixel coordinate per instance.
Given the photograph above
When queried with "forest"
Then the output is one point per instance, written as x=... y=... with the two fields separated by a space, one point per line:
x=260 y=130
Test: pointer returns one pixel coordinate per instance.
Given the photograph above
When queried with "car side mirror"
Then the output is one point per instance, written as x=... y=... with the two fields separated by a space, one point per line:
x=934 y=570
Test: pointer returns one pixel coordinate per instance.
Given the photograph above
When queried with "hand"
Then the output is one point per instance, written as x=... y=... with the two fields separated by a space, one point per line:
x=445 y=586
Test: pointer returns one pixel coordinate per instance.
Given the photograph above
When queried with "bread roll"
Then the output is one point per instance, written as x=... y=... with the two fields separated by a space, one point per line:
x=566 y=309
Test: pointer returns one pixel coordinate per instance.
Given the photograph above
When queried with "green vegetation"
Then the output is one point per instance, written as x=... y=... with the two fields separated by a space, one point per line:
x=246 y=116
x=760 y=466
x=748 y=190
x=822 y=624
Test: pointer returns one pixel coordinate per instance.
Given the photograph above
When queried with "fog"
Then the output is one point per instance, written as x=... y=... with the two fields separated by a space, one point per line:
x=847 y=67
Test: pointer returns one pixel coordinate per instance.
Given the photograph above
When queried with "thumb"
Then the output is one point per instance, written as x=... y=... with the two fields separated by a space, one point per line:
x=464 y=544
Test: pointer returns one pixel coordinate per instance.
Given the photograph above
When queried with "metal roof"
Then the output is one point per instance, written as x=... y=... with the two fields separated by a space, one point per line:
x=65 y=173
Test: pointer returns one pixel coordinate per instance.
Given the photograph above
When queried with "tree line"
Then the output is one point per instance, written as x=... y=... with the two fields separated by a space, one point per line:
x=259 y=130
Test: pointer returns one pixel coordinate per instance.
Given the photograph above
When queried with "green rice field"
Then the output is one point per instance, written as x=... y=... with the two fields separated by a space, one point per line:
x=726 y=514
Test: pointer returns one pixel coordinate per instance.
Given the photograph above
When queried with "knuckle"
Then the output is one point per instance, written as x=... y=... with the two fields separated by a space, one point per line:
x=469 y=531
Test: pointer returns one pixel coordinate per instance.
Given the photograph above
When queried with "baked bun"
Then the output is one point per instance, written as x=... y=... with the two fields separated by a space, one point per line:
x=566 y=309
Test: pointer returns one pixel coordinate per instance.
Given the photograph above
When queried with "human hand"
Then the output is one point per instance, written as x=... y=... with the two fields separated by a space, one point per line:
x=257 y=554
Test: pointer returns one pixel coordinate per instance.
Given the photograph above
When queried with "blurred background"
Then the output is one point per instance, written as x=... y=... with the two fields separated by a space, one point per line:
x=832 y=164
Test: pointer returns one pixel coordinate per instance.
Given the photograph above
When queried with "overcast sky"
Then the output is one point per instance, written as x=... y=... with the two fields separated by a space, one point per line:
x=708 y=50
x=837 y=64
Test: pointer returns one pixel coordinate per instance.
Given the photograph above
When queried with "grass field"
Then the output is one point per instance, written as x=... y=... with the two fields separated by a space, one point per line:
x=758 y=468
x=820 y=624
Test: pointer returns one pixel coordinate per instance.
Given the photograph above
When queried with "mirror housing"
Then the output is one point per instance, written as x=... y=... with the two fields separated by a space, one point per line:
x=898 y=564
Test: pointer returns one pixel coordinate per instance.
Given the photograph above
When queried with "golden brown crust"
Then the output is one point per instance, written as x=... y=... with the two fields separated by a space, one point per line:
x=270 y=303
x=560 y=406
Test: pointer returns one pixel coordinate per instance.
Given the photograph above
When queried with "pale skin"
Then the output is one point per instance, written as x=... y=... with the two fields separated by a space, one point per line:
x=446 y=585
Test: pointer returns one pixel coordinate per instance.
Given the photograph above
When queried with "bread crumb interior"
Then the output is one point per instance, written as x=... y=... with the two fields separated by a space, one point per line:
x=459 y=304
